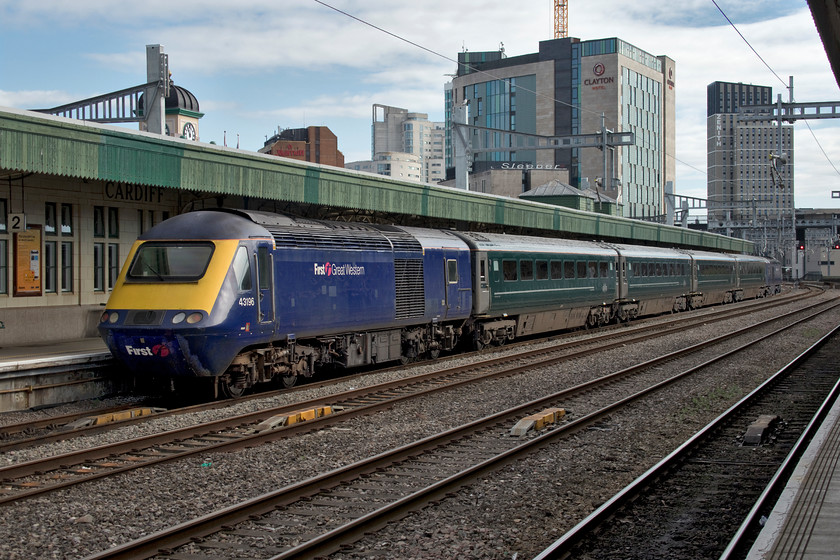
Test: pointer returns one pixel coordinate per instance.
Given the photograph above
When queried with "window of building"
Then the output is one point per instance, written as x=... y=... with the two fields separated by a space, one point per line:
x=4 y=266
x=113 y=263
x=113 y=223
x=3 y=213
x=49 y=218
x=50 y=266
x=99 y=221
x=98 y=267
x=66 y=266
x=66 y=219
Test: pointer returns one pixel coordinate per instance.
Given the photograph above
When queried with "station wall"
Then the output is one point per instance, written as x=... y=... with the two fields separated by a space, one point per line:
x=62 y=244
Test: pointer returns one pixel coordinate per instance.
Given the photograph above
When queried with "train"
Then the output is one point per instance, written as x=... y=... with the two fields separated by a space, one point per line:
x=232 y=298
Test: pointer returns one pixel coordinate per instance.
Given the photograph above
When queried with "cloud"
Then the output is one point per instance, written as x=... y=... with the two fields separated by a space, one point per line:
x=256 y=64
x=35 y=99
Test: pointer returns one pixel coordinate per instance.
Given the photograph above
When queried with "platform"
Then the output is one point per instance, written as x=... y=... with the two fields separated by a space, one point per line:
x=53 y=373
x=805 y=522
x=20 y=357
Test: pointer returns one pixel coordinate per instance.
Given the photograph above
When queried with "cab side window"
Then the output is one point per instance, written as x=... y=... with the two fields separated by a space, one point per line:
x=242 y=269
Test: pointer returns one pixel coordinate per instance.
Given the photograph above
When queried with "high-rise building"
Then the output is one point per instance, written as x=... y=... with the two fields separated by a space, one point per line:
x=750 y=174
x=395 y=130
x=565 y=89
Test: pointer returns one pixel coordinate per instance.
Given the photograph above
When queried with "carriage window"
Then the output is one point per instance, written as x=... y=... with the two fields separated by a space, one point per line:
x=556 y=270
x=592 y=270
x=509 y=270
x=170 y=262
x=603 y=270
x=568 y=269
x=542 y=270
x=659 y=269
x=526 y=270
x=581 y=270
x=452 y=270
x=242 y=269
x=482 y=270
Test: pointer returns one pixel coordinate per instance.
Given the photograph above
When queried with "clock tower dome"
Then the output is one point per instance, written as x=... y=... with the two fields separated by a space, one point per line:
x=181 y=113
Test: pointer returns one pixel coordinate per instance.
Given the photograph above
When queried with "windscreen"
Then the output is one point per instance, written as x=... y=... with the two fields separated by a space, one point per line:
x=170 y=262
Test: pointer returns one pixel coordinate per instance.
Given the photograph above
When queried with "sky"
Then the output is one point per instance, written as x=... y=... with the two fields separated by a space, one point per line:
x=259 y=65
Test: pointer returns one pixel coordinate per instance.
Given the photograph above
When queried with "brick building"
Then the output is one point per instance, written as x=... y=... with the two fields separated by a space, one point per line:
x=315 y=144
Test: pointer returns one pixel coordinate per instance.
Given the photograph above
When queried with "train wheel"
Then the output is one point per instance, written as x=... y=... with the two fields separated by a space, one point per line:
x=230 y=389
x=407 y=359
x=287 y=381
x=482 y=340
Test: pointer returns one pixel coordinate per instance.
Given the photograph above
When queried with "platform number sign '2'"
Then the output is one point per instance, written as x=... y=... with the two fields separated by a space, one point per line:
x=17 y=222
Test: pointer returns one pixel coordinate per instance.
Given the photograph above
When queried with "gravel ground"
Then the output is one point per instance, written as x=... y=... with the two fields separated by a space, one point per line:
x=513 y=513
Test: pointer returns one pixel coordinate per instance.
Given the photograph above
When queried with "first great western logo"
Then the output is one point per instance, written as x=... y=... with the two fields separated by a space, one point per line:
x=333 y=269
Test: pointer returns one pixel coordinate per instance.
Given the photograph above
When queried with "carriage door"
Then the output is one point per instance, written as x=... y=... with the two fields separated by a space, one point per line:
x=265 y=284
x=481 y=276
x=621 y=270
x=453 y=294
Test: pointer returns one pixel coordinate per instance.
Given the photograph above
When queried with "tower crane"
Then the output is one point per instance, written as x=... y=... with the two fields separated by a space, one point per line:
x=561 y=19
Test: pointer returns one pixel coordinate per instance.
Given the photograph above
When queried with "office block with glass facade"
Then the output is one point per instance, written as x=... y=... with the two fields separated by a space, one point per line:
x=563 y=90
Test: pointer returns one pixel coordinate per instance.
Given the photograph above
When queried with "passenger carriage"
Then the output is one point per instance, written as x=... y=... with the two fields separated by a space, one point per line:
x=657 y=280
x=530 y=285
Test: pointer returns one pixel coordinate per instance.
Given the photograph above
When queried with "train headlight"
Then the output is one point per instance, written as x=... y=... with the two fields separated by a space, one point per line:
x=110 y=317
x=178 y=317
x=194 y=318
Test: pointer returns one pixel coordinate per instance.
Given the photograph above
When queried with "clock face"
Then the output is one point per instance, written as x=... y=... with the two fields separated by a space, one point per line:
x=189 y=131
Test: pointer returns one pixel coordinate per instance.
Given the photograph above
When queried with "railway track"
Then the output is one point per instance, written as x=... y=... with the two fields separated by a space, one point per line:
x=37 y=477
x=706 y=499
x=51 y=429
x=320 y=515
